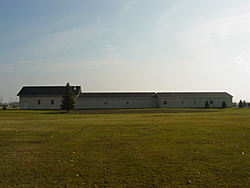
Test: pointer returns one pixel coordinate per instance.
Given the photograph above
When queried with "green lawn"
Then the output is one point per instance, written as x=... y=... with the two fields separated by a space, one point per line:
x=194 y=149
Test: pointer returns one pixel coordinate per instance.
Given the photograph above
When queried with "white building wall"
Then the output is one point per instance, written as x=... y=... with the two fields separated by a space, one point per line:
x=193 y=102
x=31 y=102
x=116 y=103
x=27 y=102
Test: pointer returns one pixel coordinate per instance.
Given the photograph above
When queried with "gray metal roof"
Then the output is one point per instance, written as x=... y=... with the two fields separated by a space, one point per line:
x=59 y=90
x=193 y=94
x=118 y=95
x=46 y=90
x=154 y=94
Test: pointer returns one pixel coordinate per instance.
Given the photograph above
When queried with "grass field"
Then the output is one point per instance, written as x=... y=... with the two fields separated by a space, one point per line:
x=132 y=148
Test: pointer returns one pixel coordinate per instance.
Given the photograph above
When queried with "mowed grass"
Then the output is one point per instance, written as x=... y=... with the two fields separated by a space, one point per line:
x=51 y=149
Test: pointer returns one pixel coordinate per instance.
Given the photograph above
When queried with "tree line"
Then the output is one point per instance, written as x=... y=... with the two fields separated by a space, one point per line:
x=243 y=104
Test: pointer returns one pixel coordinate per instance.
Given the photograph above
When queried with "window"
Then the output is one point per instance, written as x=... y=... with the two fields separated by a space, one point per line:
x=165 y=102
x=211 y=102
x=52 y=101
x=38 y=102
x=195 y=102
x=127 y=102
x=105 y=102
x=183 y=102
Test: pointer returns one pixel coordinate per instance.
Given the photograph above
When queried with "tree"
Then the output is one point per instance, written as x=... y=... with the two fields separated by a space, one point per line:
x=207 y=104
x=224 y=105
x=68 y=99
x=244 y=103
x=240 y=104
x=4 y=107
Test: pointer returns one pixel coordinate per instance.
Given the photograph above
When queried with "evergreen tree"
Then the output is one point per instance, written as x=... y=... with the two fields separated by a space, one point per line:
x=68 y=99
x=207 y=104
x=240 y=104
x=224 y=105
x=244 y=103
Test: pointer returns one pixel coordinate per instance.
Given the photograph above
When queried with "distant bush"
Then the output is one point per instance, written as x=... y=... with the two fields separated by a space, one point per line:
x=4 y=107
x=240 y=104
x=244 y=103
x=207 y=104
x=224 y=105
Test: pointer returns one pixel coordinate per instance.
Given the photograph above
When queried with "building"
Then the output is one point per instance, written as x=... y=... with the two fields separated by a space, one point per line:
x=43 y=97
x=49 y=97
x=118 y=100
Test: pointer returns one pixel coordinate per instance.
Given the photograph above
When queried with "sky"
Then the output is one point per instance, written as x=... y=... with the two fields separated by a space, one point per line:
x=126 y=45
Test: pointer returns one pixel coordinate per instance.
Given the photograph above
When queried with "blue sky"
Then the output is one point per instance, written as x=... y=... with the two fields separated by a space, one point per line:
x=132 y=45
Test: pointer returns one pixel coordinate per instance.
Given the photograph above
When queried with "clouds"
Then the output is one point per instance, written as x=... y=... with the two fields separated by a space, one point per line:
x=240 y=63
x=167 y=19
x=64 y=39
x=76 y=37
x=67 y=41
x=6 y=67
x=214 y=38
x=49 y=65
x=127 y=45
x=126 y=8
